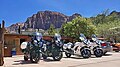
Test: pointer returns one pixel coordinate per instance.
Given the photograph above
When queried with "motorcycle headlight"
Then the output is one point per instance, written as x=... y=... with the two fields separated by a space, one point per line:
x=69 y=46
x=35 y=43
x=94 y=39
x=41 y=44
x=24 y=45
x=65 y=46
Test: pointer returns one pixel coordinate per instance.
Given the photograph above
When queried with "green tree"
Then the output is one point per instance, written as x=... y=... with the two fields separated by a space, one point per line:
x=52 y=30
x=110 y=30
x=100 y=18
x=77 y=26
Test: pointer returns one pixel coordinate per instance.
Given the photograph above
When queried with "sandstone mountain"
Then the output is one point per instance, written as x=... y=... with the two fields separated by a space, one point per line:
x=116 y=14
x=43 y=19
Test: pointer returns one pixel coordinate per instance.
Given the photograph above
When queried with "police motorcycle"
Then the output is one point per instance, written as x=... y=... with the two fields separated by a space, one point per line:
x=79 y=48
x=31 y=49
x=53 y=48
x=96 y=48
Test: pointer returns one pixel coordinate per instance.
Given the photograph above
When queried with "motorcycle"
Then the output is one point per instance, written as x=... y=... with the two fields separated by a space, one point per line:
x=53 y=48
x=96 y=48
x=79 y=48
x=31 y=49
x=106 y=47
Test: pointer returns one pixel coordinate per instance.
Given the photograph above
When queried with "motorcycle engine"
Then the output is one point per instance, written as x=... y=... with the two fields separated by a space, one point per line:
x=67 y=46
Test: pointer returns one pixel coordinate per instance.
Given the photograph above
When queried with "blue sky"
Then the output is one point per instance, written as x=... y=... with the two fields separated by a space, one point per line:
x=13 y=11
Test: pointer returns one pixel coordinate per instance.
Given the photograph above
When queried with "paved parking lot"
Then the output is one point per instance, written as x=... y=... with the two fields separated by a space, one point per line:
x=110 y=60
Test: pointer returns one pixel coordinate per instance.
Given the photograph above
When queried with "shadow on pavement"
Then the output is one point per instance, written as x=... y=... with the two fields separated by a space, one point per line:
x=82 y=57
x=49 y=60
x=107 y=55
x=75 y=57
x=19 y=62
x=95 y=57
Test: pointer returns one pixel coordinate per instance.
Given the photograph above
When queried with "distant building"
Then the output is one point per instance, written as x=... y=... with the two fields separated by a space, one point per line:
x=13 y=41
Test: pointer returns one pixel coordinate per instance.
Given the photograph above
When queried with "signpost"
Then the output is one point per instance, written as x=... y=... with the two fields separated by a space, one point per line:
x=2 y=43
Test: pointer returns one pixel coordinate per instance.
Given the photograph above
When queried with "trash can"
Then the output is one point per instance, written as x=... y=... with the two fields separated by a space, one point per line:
x=13 y=52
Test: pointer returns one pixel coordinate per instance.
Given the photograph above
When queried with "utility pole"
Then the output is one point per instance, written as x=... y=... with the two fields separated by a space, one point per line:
x=2 y=43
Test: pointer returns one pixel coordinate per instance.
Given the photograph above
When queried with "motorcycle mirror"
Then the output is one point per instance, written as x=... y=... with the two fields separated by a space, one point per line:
x=81 y=38
x=23 y=45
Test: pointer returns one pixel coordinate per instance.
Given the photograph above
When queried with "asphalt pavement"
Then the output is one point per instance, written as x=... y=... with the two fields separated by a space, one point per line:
x=111 y=59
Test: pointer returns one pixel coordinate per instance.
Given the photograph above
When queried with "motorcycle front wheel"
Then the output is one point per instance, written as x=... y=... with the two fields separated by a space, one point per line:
x=57 y=56
x=98 y=52
x=25 y=58
x=85 y=53
x=44 y=57
x=34 y=56
x=68 y=55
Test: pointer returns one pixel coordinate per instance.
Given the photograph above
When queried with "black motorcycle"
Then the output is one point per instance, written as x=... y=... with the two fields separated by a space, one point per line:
x=53 y=48
x=32 y=49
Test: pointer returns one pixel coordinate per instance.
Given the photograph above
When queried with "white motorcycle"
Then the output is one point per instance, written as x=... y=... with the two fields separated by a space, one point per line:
x=79 y=48
x=96 y=48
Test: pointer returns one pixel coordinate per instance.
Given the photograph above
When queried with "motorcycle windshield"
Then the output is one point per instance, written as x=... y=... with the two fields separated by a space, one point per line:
x=98 y=42
x=58 y=37
x=39 y=37
x=82 y=37
x=87 y=42
x=94 y=37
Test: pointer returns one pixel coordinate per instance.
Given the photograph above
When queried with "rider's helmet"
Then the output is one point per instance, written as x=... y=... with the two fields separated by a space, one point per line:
x=37 y=36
